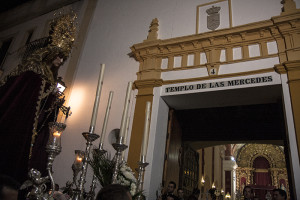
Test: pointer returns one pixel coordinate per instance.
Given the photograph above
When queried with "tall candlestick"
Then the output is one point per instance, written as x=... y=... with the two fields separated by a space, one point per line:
x=97 y=99
x=125 y=111
x=146 y=130
x=102 y=136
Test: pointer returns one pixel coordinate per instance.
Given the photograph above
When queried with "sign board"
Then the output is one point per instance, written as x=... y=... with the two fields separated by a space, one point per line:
x=250 y=81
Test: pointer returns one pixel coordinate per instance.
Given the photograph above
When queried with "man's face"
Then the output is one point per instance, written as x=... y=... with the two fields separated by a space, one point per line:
x=277 y=196
x=57 y=61
x=247 y=193
x=180 y=193
x=171 y=188
x=9 y=194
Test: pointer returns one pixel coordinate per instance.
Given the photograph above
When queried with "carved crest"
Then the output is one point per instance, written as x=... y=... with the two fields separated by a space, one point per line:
x=213 y=17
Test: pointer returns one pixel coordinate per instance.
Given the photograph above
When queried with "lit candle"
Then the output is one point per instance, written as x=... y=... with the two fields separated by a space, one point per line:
x=79 y=159
x=56 y=134
x=125 y=111
x=97 y=99
x=146 y=130
x=56 y=138
x=111 y=93
x=79 y=156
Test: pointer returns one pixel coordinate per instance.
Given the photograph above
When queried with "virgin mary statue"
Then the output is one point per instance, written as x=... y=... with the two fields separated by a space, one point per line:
x=30 y=100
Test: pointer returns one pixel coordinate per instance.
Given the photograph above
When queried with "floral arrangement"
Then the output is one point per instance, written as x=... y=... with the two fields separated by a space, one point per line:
x=126 y=177
x=103 y=168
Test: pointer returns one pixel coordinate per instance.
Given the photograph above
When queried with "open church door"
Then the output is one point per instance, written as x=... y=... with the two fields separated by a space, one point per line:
x=172 y=151
x=189 y=173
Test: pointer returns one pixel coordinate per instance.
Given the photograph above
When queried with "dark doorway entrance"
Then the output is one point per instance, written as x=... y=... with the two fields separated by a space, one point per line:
x=219 y=118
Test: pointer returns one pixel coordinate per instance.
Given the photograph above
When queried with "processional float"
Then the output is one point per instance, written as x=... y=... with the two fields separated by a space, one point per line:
x=82 y=158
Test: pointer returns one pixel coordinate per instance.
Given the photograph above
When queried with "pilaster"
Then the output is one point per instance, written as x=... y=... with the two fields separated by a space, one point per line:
x=145 y=93
x=292 y=68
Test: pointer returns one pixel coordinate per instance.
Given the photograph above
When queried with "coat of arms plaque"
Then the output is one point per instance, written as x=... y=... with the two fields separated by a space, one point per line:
x=213 y=18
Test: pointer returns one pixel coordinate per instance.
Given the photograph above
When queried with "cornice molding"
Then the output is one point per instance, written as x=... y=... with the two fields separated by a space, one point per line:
x=148 y=83
x=230 y=37
x=287 y=66
x=280 y=69
x=292 y=65
x=286 y=17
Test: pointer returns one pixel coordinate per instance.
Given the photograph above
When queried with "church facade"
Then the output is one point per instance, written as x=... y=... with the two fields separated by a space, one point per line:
x=222 y=77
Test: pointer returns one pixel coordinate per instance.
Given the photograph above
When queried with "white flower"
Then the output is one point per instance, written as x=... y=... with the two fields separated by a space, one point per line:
x=132 y=189
x=129 y=175
x=127 y=178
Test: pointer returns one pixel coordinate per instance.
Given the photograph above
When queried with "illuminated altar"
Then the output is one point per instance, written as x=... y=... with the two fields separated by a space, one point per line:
x=261 y=166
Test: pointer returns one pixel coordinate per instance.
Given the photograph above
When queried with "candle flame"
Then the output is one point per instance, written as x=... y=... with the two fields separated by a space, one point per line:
x=227 y=195
x=56 y=134
x=79 y=159
x=202 y=180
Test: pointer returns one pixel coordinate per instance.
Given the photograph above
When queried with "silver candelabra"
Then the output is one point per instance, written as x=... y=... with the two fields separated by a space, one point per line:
x=89 y=137
x=140 y=181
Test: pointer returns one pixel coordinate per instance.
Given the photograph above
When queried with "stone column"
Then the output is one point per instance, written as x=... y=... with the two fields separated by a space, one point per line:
x=230 y=165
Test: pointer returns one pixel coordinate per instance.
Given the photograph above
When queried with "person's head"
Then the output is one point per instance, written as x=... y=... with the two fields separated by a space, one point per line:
x=171 y=187
x=211 y=193
x=180 y=192
x=114 y=192
x=196 y=192
x=279 y=194
x=8 y=188
x=171 y=197
x=248 y=192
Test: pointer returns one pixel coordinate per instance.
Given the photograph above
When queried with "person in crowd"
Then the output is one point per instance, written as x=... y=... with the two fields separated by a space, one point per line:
x=170 y=191
x=8 y=188
x=212 y=194
x=171 y=197
x=194 y=195
x=58 y=195
x=180 y=194
x=279 y=194
x=248 y=193
x=114 y=192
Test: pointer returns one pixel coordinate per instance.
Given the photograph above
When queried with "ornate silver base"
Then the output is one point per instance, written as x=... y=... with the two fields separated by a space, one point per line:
x=89 y=137
x=141 y=170
x=91 y=194
x=119 y=147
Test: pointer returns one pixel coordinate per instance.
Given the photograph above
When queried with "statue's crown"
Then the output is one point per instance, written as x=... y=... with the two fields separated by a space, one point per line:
x=63 y=31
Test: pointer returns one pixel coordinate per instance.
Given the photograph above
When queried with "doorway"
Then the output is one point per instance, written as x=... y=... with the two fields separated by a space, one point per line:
x=216 y=119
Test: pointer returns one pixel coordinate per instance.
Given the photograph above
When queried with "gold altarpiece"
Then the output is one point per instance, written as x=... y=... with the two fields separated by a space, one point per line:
x=273 y=154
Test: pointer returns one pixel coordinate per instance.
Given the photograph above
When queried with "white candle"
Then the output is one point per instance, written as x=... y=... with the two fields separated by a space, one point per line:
x=125 y=136
x=146 y=130
x=111 y=93
x=97 y=99
x=126 y=130
x=125 y=111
